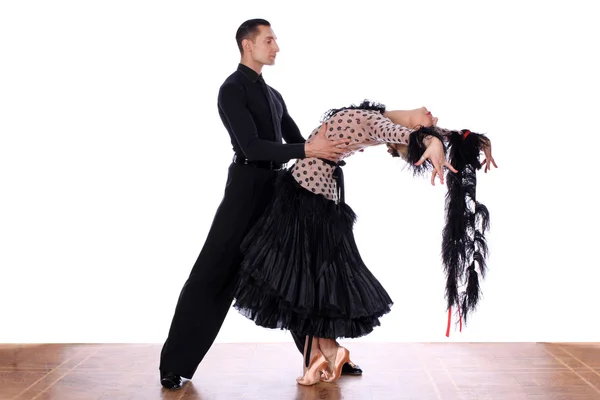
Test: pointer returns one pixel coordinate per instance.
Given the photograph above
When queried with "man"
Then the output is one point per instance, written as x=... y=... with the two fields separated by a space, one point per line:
x=257 y=120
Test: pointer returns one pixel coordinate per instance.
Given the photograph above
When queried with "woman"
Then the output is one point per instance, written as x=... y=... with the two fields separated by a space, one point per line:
x=302 y=270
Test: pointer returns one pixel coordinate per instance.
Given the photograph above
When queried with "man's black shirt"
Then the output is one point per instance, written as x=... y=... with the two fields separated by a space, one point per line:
x=245 y=112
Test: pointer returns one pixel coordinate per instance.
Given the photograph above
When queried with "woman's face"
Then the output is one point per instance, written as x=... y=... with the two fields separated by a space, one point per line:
x=423 y=117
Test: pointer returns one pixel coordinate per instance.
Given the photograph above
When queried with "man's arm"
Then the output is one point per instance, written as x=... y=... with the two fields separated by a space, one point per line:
x=289 y=130
x=232 y=102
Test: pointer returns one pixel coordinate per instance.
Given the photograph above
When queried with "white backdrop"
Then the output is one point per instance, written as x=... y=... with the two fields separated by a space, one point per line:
x=113 y=158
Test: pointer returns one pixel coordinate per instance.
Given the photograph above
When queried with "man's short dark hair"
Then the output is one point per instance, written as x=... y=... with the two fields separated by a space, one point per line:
x=249 y=30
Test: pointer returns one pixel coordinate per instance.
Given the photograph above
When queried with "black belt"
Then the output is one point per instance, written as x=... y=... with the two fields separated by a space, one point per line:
x=273 y=166
x=338 y=175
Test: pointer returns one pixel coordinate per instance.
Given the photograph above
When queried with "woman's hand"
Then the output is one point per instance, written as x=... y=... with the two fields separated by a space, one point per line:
x=435 y=153
x=487 y=151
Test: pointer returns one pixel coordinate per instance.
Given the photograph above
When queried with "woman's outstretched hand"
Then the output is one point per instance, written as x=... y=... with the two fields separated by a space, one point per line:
x=435 y=153
x=487 y=150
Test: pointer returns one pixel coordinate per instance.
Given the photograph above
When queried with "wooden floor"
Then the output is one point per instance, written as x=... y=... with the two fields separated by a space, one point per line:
x=508 y=371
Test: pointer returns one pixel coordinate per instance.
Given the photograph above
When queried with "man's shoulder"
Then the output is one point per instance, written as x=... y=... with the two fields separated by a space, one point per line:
x=233 y=85
x=234 y=78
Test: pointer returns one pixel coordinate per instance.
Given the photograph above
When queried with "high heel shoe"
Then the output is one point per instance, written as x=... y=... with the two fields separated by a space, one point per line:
x=312 y=374
x=341 y=357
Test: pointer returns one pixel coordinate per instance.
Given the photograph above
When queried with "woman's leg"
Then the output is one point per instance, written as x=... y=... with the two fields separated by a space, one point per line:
x=336 y=357
x=311 y=346
x=328 y=347
x=314 y=363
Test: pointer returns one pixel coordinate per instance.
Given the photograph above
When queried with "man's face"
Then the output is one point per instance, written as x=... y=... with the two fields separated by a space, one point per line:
x=264 y=49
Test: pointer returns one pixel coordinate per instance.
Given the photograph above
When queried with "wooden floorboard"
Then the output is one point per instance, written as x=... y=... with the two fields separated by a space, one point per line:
x=464 y=371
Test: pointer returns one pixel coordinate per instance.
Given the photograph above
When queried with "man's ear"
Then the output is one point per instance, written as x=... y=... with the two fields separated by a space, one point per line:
x=246 y=45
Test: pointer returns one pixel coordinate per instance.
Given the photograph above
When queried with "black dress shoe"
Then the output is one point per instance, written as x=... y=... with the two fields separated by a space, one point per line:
x=170 y=381
x=351 y=369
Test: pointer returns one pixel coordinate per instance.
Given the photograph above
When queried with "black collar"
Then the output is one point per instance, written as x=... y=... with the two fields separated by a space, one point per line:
x=249 y=72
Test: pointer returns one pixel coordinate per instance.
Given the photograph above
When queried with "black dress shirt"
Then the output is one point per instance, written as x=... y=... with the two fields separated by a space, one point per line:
x=246 y=114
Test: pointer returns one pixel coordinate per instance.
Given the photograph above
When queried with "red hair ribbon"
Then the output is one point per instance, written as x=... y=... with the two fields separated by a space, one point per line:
x=450 y=310
x=450 y=320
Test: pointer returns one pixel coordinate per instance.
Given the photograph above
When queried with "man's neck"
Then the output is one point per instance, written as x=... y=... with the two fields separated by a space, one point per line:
x=257 y=67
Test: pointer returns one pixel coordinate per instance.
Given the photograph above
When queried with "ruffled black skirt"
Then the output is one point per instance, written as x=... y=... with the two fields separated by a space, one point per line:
x=302 y=270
